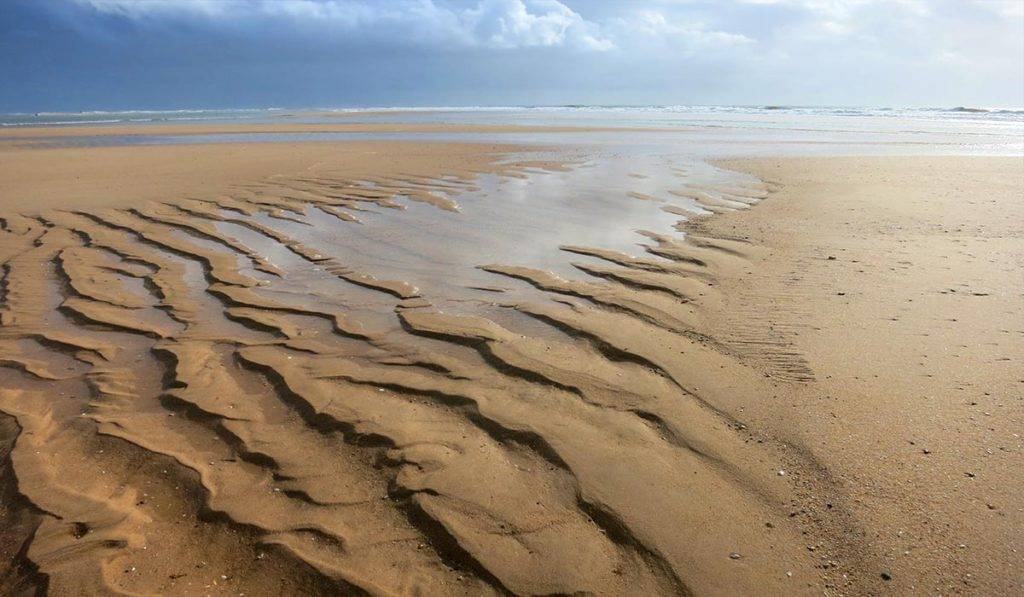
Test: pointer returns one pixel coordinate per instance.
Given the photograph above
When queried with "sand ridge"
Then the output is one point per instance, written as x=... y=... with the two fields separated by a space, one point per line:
x=240 y=410
x=202 y=392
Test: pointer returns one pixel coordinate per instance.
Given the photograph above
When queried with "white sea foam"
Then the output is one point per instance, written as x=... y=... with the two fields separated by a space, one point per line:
x=666 y=114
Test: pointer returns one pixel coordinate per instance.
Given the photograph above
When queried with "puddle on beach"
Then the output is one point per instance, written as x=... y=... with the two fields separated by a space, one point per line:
x=602 y=203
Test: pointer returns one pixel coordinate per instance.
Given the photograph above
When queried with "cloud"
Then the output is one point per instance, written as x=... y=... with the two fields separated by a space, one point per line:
x=504 y=24
x=509 y=24
x=177 y=53
x=689 y=35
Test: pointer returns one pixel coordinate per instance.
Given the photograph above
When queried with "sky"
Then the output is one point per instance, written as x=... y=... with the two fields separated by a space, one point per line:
x=74 y=55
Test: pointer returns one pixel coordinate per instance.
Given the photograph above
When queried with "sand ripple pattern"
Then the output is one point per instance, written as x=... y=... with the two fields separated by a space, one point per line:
x=201 y=401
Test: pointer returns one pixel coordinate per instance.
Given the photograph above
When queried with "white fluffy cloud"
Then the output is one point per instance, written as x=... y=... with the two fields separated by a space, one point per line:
x=688 y=36
x=510 y=23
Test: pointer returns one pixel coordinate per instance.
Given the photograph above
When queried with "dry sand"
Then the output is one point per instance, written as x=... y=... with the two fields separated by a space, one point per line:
x=200 y=397
x=35 y=178
x=897 y=284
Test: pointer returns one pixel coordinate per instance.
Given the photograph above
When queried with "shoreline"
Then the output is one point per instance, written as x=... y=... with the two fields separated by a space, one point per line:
x=184 y=129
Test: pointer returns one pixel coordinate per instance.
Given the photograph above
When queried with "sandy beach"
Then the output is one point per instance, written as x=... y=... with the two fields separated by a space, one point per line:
x=896 y=285
x=397 y=367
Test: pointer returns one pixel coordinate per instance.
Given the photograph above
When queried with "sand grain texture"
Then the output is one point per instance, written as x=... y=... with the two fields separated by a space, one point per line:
x=898 y=286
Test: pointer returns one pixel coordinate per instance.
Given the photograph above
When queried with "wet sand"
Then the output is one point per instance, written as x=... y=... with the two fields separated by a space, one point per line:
x=26 y=133
x=461 y=369
x=39 y=178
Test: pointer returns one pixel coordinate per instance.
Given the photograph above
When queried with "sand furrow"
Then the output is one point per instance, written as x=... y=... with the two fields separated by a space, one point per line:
x=221 y=267
x=200 y=228
x=684 y=289
x=396 y=288
x=166 y=277
x=339 y=213
x=84 y=270
x=87 y=519
x=681 y=268
x=31 y=286
x=261 y=391
x=667 y=312
x=540 y=419
x=515 y=537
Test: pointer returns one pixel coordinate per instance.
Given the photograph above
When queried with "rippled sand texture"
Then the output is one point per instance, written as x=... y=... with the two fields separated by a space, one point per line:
x=482 y=382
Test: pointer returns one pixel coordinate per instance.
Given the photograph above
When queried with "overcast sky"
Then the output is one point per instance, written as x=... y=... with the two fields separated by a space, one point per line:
x=163 y=54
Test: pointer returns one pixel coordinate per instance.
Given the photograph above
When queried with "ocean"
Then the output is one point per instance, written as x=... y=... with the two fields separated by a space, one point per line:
x=724 y=130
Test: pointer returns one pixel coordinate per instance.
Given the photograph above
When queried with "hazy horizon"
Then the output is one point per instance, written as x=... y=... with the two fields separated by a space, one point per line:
x=496 y=107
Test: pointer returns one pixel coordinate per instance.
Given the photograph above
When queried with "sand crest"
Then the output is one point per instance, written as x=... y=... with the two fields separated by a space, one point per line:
x=286 y=368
